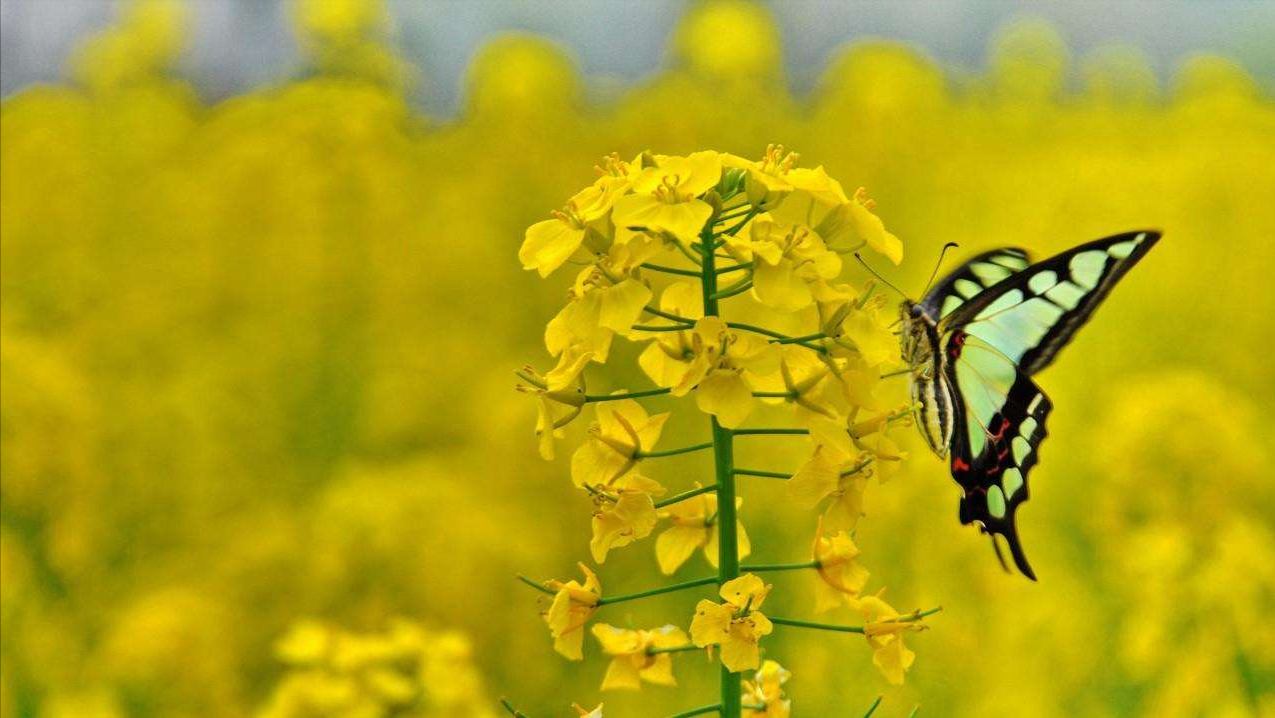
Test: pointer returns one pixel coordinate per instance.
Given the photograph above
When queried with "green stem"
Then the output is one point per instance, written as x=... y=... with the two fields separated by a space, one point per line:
x=739 y=211
x=799 y=340
x=654 y=328
x=915 y=709
x=672 y=452
x=684 y=496
x=784 y=338
x=814 y=624
x=591 y=398
x=873 y=708
x=666 y=315
x=737 y=288
x=669 y=270
x=675 y=649
x=762 y=474
x=657 y=591
x=536 y=585
x=512 y=711
x=769 y=432
x=734 y=268
x=707 y=237
x=723 y=461
x=775 y=394
x=759 y=567
x=896 y=372
x=715 y=708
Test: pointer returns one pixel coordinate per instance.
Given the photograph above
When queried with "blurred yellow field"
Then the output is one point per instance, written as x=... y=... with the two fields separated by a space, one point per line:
x=261 y=453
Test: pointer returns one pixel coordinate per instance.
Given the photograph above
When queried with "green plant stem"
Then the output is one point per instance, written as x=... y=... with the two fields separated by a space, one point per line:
x=593 y=398
x=605 y=600
x=761 y=474
x=675 y=498
x=814 y=624
x=759 y=567
x=653 y=328
x=668 y=316
x=799 y=340
x=782 y=338
x=896 y=372
x=669 y=270
x=873 y=708
x=538 y=586
x=715 y=708
x=723 y=462
x=675 y=649
x=770 y=432
x=775 y=394
x=734 y=268
x=512 y=711
x=737 y=288
x=672 y=452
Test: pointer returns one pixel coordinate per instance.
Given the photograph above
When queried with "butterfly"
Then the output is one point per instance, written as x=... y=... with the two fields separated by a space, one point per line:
x=973 y=344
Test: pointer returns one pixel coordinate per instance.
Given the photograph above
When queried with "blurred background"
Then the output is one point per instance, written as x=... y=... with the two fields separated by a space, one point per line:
x=261 y=304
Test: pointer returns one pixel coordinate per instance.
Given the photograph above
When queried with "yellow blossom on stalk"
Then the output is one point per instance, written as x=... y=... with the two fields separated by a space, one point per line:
x=845 y=223
x=666 y=358
x=787 y=259
x=574 y=603
x=857 y=325
x=623 y=514
x=806 y=378
x=559 y=396
x=766 y=183
x=622 y=431
x=736 y=625
x=841 y=577
x=766 y=690
x=632 y=660
x=599 y=305
x=665 y=199
x=829 y=473
x=884 y=628
x=722 y=368
x=693 y=526
x=550 y=243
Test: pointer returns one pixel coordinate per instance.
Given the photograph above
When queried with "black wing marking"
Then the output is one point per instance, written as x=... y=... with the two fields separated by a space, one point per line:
x=1033 y=314
x=994 y=481
x=971 y=278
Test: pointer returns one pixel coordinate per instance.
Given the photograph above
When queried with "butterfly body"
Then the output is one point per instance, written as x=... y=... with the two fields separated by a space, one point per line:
x=973 y=344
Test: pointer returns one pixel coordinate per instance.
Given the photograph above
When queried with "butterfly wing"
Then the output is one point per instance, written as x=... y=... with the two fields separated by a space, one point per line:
x=1032 y=314
x=999 y=423
x=994 y=340
x=972 y=278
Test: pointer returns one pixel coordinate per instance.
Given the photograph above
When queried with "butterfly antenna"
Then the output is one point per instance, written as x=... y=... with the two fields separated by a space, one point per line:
x=878 y=276
x=935 y=273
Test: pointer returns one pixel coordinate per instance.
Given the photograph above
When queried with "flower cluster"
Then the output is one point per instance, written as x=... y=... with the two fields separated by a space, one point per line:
x=695 y=231
x=403 y=671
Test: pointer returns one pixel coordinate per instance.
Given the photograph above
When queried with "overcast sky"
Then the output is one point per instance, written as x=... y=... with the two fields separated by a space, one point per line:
x=241 y=43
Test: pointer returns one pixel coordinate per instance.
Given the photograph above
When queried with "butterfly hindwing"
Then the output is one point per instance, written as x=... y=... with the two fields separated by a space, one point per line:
x=1032 y=314
x=995 y=439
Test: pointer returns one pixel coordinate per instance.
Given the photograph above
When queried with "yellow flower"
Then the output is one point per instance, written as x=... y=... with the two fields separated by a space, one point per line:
x=722 y=367
x=858 y=327
x=786 y=259
x=664 y=199
x=624 y=514
x=831 y=473
x=623 y=430
x=693 y=525
x=551 y=243
x=559 y=396
x=766 y=690
x=573 y=605
x=632 y=661
x=766 y=183
x=805 y=378
x=841 y=578
x=845 y=223
x=884 y=628
x=666 y=358
x=599 y=305
x=736 y=625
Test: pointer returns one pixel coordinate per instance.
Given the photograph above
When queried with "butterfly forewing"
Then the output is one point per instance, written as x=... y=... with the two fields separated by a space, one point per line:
x=972 y=278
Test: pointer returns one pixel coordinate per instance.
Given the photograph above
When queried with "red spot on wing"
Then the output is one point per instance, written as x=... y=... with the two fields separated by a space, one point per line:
x=958 y=464
x=955 y=345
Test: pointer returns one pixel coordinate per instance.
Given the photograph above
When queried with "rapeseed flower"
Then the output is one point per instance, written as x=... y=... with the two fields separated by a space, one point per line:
x=736 y=625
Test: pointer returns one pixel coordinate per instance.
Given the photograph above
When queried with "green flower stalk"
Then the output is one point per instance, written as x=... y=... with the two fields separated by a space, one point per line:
x=697 y=232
